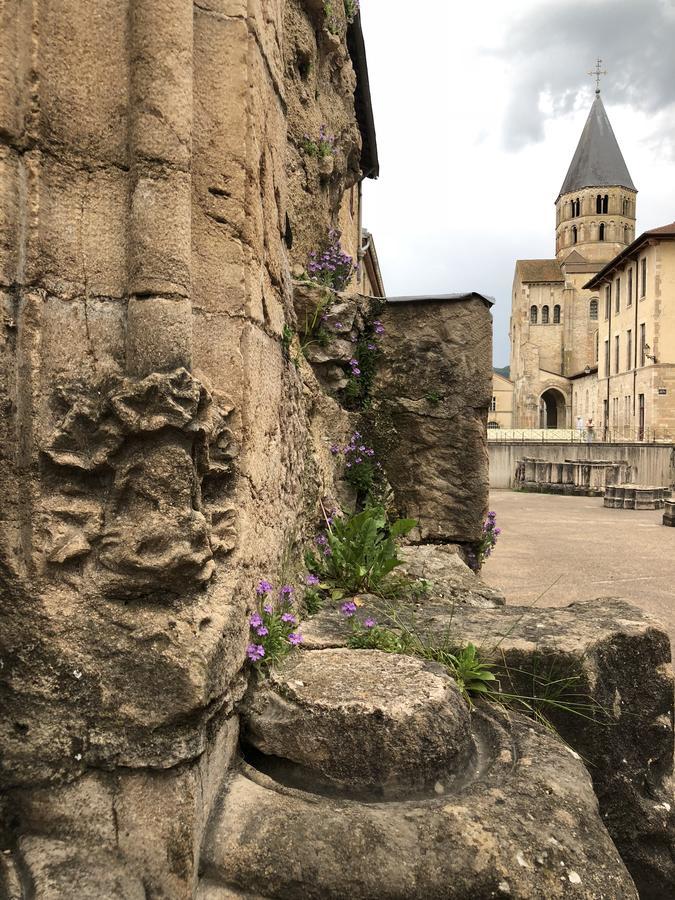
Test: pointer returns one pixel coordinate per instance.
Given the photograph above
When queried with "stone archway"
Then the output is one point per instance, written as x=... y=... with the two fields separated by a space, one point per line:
x=552 y=409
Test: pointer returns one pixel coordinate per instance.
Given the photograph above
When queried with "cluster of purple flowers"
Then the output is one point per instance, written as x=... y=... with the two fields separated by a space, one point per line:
x=378 y=328
x=348 y=610
x=273 y=625
x=332 y=267
x=484 y=547
x=323 y=545
x=324 y=145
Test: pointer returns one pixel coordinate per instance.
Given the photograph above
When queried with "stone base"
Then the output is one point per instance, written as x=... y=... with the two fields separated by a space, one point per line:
x=635 y=496
x=669 y=513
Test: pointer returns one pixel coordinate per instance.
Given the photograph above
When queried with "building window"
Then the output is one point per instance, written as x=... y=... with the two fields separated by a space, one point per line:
x=556 y=315
x=616 y=353
x=605 y=203
x=493 y=405
x=626 y=234
x=493 y=424
x=629 y=349
x=544 y=315
x=608 y=300
x=597 y=346
x=643 y=341
x=574 y=234
x=601 y=232
x=606 y=359
x=626 y=210
x=593 y=308
x=617 y=296
x=643 y=276
x=629 y=298
x=598 y=203
x=533 y=315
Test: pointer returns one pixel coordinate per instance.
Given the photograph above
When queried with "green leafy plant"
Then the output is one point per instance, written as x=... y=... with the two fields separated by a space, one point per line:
x=368 y=635
x=482 y=549
x=351 y=9
x=357 y=552
x=287 y=335
x=432 y=397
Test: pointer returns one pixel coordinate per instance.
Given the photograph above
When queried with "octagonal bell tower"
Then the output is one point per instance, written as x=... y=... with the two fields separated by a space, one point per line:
x=595 y=209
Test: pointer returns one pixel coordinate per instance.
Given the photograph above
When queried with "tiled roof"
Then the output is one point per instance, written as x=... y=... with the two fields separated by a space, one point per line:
x=539 y=270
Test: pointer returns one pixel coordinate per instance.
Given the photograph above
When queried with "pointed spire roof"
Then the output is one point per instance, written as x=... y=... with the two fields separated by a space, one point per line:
x=598 y=161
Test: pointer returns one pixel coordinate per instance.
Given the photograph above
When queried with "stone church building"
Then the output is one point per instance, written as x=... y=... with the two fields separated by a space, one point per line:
x=554 y=315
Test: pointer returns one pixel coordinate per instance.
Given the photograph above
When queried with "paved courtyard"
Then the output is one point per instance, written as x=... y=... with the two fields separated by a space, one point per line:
x=572 y=548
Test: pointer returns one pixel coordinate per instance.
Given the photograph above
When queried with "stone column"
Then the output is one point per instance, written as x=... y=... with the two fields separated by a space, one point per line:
x=159 y=328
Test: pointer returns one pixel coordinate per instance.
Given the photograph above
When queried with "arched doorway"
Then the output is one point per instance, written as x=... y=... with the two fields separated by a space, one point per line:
x=552 y=409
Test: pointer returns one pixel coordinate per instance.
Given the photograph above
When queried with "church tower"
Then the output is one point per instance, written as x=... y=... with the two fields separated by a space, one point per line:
x=554 y=318
x=595 y=209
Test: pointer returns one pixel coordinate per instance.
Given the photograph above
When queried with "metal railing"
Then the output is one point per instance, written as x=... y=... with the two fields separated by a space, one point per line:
x=601 y=435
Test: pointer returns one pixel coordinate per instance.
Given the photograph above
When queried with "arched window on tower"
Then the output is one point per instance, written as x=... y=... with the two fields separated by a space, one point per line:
x=533 y=315
x=626 y=207
x=601 y=232
x=556 y=315
x=605 y=203
x=544 y=315
x=575 y=234
x=593 y=308
x=576 y=207
x=626 y=234
x=598 y=203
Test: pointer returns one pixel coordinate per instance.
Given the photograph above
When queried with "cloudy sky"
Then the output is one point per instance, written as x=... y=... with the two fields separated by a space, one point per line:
x=478 y=109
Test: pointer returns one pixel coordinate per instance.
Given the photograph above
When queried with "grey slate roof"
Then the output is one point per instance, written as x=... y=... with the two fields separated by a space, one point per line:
x=598 y=161
x=442 y=298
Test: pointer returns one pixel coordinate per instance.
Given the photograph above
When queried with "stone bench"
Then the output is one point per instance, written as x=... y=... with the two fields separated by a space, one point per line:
x=669 y=513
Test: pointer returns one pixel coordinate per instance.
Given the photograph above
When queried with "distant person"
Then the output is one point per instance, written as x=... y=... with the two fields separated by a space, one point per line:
x=580 y=426
x=590 y=430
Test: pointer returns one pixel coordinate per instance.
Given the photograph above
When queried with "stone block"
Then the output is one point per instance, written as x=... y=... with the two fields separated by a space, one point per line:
x=438 y=477
x=159 y=334
x=160 y=230
x=81 y=243
x=83 y=79
x=11 y=173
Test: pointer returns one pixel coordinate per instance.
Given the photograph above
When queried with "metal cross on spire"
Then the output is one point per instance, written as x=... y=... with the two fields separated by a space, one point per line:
x=597 y=71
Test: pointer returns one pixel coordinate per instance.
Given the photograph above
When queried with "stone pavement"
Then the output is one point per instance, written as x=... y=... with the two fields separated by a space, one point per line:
x=572 y=548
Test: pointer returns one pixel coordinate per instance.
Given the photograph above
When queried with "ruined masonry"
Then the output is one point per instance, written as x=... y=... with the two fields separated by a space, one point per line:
x=166 y=443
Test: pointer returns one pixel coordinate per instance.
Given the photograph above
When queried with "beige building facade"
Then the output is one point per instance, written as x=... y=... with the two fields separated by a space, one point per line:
x=635 y=382
x=555 y=315
x=500 y=414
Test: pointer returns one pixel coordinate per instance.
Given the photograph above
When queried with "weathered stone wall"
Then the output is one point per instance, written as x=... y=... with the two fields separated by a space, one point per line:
x=160 y=450
x=429 y=413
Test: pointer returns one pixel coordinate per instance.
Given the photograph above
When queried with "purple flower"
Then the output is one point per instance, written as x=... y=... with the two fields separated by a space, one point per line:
x=295 y=639
x=268 y=608
x=337 y=326
x=497 y=531
x=369 y=623
x=311 y=580
x=356 y=371
x=262 y=631
x=289 y=617
x=321 y=540
x=353 y=362
x=348 y=609
x=372 y=346
x=255 y=621
x=379 y=329
x=334 y=449
x=286 y=590
x=255 y=652
x=264 y=587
